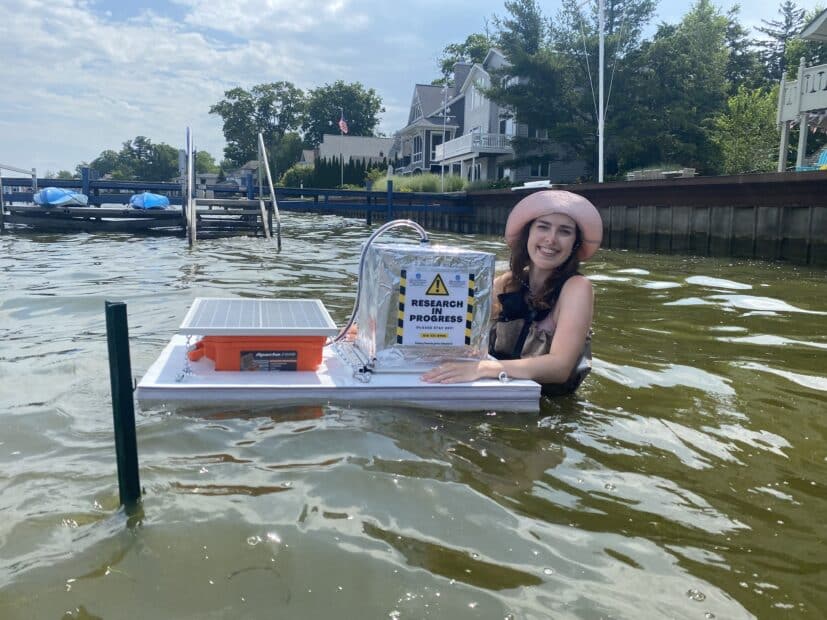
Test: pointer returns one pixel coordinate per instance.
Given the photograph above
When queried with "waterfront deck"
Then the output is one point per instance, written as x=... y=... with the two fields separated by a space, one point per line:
x=220 y=210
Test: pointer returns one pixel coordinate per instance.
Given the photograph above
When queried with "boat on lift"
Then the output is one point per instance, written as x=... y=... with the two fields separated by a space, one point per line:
x=59 y=197
x=148 y=200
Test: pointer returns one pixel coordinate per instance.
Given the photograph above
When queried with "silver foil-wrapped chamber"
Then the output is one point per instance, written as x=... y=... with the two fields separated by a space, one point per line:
x=422 y=304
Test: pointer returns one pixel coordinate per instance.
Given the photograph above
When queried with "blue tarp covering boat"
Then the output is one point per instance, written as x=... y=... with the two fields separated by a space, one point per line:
x=59 y=197
x=148 y=200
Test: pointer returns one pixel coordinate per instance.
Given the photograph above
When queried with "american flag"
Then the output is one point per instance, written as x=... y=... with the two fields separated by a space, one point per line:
x=342 y=124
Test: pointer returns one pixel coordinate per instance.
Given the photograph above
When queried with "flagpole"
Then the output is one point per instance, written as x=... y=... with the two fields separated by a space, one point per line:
x=444 y=120
x=341 y=149
x=601 y=112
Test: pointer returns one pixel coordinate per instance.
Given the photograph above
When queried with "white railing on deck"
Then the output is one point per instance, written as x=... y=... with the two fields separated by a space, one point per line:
x=473 y=143
x=33 y=172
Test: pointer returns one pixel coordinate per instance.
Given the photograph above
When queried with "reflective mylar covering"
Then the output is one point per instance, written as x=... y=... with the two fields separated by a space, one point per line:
x=443 y=310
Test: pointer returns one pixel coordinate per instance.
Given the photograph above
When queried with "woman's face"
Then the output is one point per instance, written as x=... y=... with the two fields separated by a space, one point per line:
x=551 y=240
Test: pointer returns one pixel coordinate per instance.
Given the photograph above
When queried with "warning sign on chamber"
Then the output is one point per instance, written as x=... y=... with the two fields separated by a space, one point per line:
x=435 y=307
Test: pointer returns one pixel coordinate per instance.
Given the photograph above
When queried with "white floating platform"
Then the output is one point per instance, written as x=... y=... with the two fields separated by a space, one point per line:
x=333 y=382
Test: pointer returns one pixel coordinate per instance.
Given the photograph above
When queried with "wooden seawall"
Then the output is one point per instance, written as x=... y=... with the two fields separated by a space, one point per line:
x=778 y=216
x=768 y=216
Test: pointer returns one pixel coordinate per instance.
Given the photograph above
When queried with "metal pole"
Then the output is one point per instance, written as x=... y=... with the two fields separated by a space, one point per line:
x=601 y=113
x=785 y=144
x=783 y=125
x=444 y=121
x=123 y=411
x=2 y=205
x=802 y=117
x=341 y=149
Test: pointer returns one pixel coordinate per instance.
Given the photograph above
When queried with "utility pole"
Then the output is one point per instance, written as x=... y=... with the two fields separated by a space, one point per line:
x=601 y=112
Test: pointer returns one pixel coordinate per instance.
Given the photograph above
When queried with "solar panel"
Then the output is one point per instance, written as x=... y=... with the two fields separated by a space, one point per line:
x=258 y=317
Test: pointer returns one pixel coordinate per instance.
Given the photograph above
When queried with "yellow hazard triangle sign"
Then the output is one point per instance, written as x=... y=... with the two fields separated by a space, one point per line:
x=437 y=287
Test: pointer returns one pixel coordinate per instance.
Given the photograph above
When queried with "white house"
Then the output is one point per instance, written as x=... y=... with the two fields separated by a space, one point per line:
x=372 y=150
x=459 y=130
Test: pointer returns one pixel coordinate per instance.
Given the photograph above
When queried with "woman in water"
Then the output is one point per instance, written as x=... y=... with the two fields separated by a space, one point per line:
x=543 y=306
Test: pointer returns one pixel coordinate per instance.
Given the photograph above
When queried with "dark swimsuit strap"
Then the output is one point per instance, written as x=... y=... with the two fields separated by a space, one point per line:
x=515 y=307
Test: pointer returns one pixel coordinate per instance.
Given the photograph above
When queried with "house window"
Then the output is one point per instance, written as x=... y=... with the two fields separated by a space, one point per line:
x=506 y=126
x=436 y=140
x=417 y=148
x=476 y=97
x=543 y=170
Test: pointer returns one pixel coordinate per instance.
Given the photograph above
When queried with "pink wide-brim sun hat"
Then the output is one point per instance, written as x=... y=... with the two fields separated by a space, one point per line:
x=546 y=202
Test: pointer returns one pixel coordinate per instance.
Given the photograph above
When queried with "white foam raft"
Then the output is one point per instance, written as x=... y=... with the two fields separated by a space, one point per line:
x=174 y=379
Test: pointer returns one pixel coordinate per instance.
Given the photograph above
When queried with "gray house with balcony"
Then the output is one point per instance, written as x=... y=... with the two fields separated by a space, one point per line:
x=456 y=129
x=429 y=125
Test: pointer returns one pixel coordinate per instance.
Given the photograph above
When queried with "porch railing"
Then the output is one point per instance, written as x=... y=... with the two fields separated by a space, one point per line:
x=473 y=143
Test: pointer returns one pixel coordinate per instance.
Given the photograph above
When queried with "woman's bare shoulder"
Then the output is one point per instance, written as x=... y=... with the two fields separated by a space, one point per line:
x=578 y=282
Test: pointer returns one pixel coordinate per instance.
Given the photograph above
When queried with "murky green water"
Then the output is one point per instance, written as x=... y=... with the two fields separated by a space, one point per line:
x=687 y=479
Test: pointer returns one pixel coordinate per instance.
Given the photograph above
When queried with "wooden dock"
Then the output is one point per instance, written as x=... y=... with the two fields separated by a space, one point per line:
x=212 y=220
x=220 y=210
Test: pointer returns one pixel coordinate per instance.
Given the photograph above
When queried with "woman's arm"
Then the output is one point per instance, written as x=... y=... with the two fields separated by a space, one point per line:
x=574 y=316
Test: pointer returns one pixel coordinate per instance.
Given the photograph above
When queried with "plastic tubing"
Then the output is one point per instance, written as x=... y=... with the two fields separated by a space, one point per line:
x=423 y=239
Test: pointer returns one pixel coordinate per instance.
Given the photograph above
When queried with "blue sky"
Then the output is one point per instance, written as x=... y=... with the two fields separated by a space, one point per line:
x=81 y=76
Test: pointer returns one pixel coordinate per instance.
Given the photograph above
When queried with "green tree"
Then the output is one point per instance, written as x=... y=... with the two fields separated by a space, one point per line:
x=205 y=163
x=682 y=86
x=142 y=160
x=813 y=52
x=473 y=50
x=576 y=37
x=535 y=87
x=524 y=30
x=270 y=109
x=298 y=175
x=105 y=163
x=779 y=33
x=744 y=67
x=61 y=174
x=287 y=152
x=327 y=103
x=746 y=131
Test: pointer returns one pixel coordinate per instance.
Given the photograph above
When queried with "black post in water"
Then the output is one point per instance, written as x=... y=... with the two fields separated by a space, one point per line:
x=123 y=406
x=390 y=201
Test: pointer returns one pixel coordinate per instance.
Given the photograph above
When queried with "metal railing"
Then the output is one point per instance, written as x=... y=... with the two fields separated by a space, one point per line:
x=473 y=143
x=33 y=172
x=262 y=157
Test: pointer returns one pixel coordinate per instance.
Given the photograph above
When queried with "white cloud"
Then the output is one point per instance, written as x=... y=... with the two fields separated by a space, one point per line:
x=80 y=76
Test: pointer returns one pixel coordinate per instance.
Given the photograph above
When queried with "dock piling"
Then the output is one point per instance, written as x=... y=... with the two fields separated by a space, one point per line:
x=123 y=404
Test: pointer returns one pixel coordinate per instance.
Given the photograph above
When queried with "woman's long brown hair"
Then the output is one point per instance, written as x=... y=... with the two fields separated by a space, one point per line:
x=547 y=296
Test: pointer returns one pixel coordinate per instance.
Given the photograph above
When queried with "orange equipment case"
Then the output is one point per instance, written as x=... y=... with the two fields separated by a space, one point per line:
x=268 y=353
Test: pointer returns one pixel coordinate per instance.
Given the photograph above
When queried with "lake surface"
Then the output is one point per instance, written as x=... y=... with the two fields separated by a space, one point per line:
x=686 y=479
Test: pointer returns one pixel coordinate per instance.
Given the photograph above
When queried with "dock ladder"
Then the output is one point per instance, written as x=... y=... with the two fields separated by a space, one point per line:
x=218 y=215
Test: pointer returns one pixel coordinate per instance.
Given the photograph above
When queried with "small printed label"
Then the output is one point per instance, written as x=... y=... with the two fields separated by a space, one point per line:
x=269 y=360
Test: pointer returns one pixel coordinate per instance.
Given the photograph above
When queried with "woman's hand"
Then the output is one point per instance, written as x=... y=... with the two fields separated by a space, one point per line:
x=351 y=334
x=456 y=372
